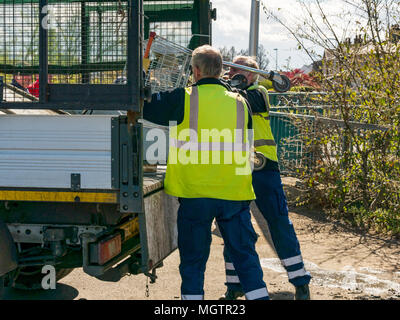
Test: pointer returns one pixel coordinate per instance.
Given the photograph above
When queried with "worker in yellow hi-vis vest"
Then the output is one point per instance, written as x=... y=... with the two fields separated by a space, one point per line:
x=209 y=170
x=271 y=199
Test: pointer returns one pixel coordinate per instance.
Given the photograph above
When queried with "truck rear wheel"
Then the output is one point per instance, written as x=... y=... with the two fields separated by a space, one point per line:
x=30 y=278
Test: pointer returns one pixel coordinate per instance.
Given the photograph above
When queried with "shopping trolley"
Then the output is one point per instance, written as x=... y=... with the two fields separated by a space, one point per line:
x=167 y=64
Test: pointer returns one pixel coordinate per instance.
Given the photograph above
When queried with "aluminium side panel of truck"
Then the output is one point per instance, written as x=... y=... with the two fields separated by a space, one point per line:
x=71 y=177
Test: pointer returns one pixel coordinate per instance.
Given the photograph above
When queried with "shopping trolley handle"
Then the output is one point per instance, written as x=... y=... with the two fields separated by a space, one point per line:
x=280 y=82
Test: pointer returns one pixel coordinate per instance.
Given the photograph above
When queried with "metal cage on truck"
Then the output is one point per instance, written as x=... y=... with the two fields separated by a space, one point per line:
x=81 y=46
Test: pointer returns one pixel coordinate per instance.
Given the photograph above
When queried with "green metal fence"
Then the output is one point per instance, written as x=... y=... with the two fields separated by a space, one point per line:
x=291 y=143
x=87 y=39
x=296 y=99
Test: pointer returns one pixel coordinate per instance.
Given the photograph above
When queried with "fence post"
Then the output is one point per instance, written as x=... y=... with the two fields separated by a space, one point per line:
x=273 y=99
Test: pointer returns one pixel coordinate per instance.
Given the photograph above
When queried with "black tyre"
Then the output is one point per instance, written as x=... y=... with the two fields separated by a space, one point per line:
x=285 y=86
x=259 y=161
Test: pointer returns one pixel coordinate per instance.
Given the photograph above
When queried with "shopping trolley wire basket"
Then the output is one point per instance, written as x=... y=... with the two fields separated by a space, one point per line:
x=168 y=64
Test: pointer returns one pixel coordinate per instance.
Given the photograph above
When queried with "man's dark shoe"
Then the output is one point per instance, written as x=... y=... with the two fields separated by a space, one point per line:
x=232 y=295
x=302 y=292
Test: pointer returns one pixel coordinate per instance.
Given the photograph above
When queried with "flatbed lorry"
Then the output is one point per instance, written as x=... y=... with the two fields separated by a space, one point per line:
x=74 y=189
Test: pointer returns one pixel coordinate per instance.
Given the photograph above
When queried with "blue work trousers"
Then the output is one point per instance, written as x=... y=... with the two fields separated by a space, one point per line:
x=195 y=217
x=271 y=201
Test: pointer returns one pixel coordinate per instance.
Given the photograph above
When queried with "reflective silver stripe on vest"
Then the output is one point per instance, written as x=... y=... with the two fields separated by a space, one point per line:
x=264 y=142
x=194 y=145
x=194 y=114
x=240 y=122
x=208 y=146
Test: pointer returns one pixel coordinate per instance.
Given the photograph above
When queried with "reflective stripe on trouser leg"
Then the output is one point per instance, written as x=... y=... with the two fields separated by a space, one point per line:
x=295 y=268
x=239 y=238
x=271 y=201
x=233 y=282
x=295 y=263
x=232 y=279
x=231 y=275
x=192 y=297
x=257 y=294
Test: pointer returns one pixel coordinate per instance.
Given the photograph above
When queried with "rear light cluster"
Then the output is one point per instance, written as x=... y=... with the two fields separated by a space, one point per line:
x=106 y=249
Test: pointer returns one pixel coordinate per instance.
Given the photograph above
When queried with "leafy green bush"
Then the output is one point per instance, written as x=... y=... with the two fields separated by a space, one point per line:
x=302 y=89
x=350 y=163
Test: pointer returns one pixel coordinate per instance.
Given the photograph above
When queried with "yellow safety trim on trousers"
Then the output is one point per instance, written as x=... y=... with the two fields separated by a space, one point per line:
x=55 y=196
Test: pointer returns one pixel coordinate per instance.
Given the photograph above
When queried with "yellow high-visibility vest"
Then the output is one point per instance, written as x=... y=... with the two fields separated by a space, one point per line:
x=263 y=138
x=209 y=151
